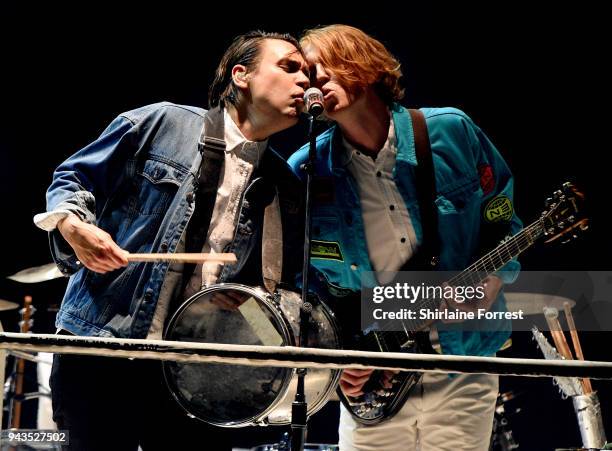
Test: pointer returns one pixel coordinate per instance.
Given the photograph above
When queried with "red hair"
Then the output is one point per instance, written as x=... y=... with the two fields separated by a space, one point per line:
x=356 y=59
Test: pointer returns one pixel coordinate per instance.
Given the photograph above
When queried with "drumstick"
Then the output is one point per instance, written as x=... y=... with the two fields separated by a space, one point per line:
x=586 y=382
x=551 y=314
x=184 y=257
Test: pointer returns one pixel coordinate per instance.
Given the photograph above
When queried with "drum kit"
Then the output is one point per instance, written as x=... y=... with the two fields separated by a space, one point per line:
x=15 y=399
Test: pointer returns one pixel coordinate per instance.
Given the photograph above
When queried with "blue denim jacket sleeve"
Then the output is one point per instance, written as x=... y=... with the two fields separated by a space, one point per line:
x=83 y=183
x=497 y=182
x=501 y=186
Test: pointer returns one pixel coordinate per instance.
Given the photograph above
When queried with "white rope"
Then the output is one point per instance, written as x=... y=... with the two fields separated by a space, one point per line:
x=293 y=357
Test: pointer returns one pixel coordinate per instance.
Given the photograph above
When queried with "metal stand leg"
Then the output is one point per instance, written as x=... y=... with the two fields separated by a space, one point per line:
x=3 y=355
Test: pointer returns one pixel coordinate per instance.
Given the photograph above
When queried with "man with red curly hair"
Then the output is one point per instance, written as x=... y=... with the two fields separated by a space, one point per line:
x=370 y=216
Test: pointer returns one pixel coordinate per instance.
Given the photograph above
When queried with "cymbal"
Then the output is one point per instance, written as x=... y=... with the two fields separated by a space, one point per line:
x=37 y=274
x=534 y=303
x=7 y=305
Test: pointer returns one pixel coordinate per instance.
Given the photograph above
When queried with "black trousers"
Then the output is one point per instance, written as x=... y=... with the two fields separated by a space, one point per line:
x=120 y=404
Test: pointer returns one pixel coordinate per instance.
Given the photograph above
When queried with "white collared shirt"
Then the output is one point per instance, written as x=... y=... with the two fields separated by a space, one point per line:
x=241 y=158
x=389 y=232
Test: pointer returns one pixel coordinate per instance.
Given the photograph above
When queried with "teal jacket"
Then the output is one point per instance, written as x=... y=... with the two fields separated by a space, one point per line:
x=471 y=180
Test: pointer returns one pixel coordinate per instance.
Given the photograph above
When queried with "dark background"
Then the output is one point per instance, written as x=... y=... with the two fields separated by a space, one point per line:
x=533 y=80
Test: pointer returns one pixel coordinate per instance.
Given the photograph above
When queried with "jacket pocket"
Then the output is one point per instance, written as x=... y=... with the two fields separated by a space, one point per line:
x=137 y=212
x=155 y=184
x=459 y=200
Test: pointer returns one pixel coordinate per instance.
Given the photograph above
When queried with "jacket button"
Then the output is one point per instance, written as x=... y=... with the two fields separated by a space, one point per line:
x=353 y=266
x=164 y=247
x=190 y=197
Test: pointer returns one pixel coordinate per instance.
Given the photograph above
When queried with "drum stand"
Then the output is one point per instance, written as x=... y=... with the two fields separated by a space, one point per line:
x=3 y=354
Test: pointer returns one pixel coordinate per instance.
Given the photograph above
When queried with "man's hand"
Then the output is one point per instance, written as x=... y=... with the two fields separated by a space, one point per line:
x=353 y=380
x=94 y=248
x=491 y=284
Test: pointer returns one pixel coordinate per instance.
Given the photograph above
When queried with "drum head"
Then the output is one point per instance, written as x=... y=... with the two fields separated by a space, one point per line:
x=222 y=394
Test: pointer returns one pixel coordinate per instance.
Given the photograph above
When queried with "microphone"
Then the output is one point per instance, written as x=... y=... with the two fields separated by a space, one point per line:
x=313 y=100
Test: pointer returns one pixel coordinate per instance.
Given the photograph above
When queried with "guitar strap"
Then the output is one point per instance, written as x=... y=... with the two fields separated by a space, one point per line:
x=425 y=181
x=212 y=148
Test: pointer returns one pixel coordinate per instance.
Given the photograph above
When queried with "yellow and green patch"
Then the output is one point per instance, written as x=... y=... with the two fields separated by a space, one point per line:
x=499 y=209
x=328 y=250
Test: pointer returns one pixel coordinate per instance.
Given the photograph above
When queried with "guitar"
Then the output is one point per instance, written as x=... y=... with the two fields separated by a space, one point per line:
x=560 y=220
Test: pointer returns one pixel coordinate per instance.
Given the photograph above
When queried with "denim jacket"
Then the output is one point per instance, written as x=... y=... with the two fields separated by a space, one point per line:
x=137 y=182
x=470 y=173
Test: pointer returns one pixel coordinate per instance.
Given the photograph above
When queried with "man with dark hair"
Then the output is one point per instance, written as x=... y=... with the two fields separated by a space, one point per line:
x=145 y=186
x=370 y=218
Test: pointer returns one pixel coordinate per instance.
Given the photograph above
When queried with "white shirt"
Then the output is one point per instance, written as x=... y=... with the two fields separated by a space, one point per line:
x=241 y=158
x=389 y=232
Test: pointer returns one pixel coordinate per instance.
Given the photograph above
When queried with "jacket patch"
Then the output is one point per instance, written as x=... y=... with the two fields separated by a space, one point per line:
x=487 y=181
x=499 y=209
x=327 y=250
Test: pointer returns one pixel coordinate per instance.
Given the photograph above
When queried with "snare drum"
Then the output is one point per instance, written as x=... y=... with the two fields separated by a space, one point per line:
x=234 y=395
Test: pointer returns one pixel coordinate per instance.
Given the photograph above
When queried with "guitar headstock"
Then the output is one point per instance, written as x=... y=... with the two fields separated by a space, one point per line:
x=563 y=216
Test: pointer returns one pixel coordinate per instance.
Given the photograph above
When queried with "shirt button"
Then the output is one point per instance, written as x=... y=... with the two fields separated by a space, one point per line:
x=403 y=240
x=378 y=174
x=391 y=207
x=353 y=266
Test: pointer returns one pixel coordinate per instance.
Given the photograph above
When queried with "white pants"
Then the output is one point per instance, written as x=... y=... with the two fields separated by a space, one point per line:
x=442 y=413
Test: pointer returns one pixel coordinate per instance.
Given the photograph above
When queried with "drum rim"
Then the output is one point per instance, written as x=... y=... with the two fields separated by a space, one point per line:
x=288 y=335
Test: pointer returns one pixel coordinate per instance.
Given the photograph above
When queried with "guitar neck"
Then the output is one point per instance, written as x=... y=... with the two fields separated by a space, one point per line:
x=484 y=267
x=500 y=256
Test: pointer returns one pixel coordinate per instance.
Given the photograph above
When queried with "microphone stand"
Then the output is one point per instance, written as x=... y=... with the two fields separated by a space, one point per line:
x=299 y=408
